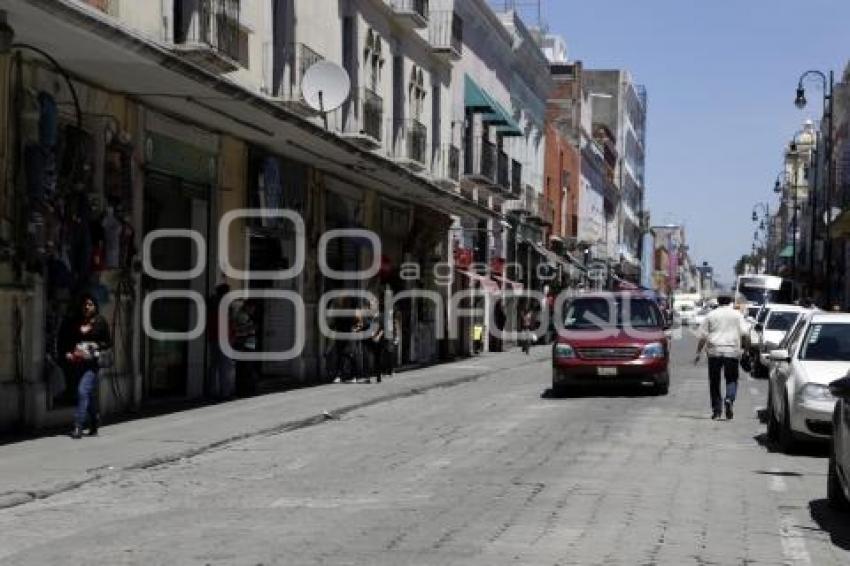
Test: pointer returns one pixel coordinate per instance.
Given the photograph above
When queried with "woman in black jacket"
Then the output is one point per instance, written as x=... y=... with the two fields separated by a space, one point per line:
x=91 y=339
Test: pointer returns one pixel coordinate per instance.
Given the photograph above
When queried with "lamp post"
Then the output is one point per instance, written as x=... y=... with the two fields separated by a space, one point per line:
x=800 y=102
x=778 y=189
x=764 y=225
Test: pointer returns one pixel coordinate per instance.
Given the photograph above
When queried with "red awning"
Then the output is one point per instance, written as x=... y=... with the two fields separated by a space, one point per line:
x=485 y=283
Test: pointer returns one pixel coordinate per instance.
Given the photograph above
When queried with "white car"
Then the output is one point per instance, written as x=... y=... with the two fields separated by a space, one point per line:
x=815 y=353
x=772 y=325
x=684 y=312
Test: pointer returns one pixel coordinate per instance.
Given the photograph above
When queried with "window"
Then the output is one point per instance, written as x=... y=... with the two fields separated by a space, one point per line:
x=416 y=93
x=595 y=313
x=827 y=343
x=373 y=59
x=781 y=320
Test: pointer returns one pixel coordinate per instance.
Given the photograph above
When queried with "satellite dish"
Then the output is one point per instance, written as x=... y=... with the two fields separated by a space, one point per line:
x=325 y=86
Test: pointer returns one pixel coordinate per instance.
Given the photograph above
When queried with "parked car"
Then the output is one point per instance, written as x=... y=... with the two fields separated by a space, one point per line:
x=838 y=477
x=800 y=404
x=772 y=325
x=613 y=339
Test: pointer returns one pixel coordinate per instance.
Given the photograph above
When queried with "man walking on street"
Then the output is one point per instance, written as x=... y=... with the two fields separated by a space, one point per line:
x=722 y=331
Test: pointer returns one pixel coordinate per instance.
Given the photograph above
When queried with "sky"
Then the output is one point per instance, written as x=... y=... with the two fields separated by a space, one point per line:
x=721 y=77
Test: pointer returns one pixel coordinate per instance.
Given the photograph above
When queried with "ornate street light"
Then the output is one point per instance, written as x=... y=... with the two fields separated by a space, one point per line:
x=800 y=102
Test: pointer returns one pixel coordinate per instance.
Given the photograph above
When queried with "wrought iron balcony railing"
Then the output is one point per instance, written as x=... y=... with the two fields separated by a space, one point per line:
x=207 y=32
x=409 y=143
x=516 y=178
x=503 y=172
x=411 y=12
x=284 y=72
x=445 y=32
x=480 y=160
x=446 y=167
x=361 y=119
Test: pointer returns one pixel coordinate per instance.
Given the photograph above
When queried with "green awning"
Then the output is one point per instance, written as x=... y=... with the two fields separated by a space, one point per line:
x=475 y=98
x=787 y=252
x=478 y=100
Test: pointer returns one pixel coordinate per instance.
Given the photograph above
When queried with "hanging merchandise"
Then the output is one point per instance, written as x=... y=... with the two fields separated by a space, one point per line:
x=48 y=122
x=112 y=239
x=98 y=239
x=270 y=188
x=118 y=186
x=127 y=243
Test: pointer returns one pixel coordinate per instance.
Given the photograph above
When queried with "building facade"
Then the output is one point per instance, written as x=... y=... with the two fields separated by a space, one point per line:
x=438 y=149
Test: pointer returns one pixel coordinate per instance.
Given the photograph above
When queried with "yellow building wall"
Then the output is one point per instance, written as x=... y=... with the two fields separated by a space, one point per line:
x=232 y=195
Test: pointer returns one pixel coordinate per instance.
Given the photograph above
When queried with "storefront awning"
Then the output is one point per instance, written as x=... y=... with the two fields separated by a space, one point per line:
x=479 y=100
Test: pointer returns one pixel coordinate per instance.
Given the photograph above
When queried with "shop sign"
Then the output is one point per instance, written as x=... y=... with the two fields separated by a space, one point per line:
x=180 y=159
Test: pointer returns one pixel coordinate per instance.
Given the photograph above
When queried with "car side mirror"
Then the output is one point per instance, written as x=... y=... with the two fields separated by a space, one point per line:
x=840 y=387
x=780 y=356
x=759 y=327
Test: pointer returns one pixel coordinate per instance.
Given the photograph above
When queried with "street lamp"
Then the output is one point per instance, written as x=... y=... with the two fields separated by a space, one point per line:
x=764 y=209
x=800 y=101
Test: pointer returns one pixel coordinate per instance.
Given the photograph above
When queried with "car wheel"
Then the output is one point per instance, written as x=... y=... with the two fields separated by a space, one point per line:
x=662 y=384
x=787 y=442
x=772 y=423
x=834 y=493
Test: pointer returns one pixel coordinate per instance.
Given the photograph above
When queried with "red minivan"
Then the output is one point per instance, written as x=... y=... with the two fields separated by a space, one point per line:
x=611 y=338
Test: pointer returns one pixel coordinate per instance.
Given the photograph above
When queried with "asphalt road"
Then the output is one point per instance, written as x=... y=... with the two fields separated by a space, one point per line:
x=492 y=471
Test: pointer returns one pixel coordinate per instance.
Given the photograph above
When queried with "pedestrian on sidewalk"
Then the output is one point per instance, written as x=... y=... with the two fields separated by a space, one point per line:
x=722 y=333
x=221 y=377
x=376 y=344
x=526 y=327
x=91 y=342
x=245 y=340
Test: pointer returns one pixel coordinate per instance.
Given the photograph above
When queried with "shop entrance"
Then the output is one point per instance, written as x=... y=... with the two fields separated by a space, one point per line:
x=175 y=368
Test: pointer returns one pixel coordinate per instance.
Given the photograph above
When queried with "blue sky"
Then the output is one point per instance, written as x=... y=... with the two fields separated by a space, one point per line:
x=721 y=77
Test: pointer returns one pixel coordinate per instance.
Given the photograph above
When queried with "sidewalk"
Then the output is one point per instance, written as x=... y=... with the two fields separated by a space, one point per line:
x=39 y=468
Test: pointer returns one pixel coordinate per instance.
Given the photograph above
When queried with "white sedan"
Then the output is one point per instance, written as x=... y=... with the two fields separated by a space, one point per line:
x=772 y=325
x=800 y=405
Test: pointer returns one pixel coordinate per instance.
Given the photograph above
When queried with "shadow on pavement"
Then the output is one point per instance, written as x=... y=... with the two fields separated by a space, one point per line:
x=599 y=391
x=836 y=523
x=805 y=450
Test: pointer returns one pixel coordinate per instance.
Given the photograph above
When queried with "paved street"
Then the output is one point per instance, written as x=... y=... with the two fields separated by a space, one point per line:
x=487 y=471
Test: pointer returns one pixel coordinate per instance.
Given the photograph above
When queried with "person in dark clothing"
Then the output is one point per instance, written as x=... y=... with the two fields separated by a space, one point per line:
x=91 y=339
x=246 y=341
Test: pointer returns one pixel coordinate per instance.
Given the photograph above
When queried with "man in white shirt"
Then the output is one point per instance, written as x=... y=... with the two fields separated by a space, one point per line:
x=723 y=331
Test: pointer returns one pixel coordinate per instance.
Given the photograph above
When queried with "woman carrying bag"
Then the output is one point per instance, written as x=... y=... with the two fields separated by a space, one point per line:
x=90 y=351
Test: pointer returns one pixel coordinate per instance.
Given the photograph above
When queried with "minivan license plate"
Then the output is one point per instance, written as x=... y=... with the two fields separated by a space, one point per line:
x=606 y=371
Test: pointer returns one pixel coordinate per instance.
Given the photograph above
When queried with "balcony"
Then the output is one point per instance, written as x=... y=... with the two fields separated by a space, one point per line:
x=409 y=144
x=206 y=32
x=480 y=161
x=516 y=179
x=503 y=172
x=284 y=74
x=362 y=119
x=411 y=13
x=447 y=167
x=445 y=33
